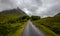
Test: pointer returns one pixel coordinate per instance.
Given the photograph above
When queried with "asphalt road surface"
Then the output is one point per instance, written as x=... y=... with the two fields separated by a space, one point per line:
x=31 y=30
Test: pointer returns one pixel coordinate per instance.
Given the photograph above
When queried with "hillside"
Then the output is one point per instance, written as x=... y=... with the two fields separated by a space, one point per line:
x=12 y=22
x=49 y=25
x=11 y=14
x=16 y=11
x=57 y=14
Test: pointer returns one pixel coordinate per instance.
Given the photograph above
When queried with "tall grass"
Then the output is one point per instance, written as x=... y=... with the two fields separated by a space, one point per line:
x=50 y=25
x=9 y=24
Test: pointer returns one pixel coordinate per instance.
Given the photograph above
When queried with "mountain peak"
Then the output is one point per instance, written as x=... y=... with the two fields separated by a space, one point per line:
x=58 y=14
x=16 y=11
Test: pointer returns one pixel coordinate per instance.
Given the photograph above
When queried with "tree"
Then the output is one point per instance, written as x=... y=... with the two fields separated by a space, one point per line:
x=35 y=17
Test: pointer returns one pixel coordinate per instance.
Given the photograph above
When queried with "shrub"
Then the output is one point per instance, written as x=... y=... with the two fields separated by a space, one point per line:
x=35 y=17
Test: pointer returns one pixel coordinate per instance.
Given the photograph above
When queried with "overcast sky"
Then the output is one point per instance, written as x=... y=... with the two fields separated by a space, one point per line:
x=41 y=8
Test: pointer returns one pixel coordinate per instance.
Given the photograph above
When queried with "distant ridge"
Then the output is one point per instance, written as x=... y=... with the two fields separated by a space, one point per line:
x=58 y=14
x=16 y=11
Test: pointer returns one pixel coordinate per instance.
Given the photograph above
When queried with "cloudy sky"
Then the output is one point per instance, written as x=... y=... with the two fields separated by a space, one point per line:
x=41 y=8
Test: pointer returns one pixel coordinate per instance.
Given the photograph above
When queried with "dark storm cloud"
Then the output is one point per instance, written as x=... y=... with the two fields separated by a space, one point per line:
x=41 y=8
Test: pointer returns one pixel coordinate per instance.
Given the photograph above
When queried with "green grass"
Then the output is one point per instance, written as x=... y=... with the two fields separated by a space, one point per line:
x=9 y=29
x=12 y=22
x=48 y=31
x=50 y=25
x=44 y=29
x=12 y=25
x=19 y=31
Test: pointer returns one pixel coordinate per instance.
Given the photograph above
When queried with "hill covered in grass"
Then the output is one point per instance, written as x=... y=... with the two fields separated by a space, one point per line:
x=12 y=22
x=50 y=25
x=58 y=14
x=16 y=11
x=11 y=14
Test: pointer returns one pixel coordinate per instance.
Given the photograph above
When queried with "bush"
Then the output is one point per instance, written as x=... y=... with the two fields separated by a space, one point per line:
x=11 y=21
x=23 y=18
x=35 y=17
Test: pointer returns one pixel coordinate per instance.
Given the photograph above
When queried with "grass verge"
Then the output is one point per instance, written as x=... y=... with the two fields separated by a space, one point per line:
x=19 y=31
x=46 y=30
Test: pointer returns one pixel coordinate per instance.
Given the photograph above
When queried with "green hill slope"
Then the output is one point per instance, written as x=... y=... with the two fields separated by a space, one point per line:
x=50 y=25
x=11 y=14
x=16 y=11
x=57 y=14
x=12 y=22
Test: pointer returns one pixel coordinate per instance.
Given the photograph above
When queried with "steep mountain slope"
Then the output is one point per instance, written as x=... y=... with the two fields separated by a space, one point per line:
x=52 y=24
x=11 y=14
x=13 y=11
x=57 y=14
x=12 y=22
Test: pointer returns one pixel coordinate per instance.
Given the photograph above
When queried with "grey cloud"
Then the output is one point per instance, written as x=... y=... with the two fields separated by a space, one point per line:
x=32 y=5
x=41 y=8
x=49 y=8
x=7 y=4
